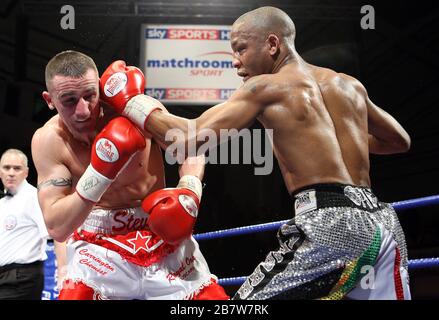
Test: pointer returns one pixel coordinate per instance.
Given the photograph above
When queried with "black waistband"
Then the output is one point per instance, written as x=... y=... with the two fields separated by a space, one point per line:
x=21 y=265
x=336 y=195
x=328 y=187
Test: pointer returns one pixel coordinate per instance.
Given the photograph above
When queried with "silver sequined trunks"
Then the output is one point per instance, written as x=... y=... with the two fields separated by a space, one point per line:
x=338 y=231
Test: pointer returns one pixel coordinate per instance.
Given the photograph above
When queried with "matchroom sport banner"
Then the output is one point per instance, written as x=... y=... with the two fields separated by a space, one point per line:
x=188 y=64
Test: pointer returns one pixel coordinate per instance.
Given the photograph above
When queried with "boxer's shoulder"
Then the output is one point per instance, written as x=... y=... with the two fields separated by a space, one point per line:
x=51 y=143
x=51 y=134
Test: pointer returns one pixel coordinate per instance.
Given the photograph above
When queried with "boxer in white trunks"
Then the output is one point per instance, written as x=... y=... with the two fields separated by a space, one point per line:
x=94 y=169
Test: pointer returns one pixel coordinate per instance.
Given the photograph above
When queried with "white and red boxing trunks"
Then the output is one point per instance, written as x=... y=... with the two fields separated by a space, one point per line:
x=113 y=255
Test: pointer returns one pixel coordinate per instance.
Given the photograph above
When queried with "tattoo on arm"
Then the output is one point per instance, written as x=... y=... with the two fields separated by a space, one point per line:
x=252 y=88
x=61 y=182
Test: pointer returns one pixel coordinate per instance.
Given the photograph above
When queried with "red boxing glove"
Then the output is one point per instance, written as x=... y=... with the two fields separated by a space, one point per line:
x=112 y=149
x=173 y=211
x=122 y=87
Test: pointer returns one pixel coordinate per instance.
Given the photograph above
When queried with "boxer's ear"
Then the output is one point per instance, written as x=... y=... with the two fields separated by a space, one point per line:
x=48 y=99
x=273 y=42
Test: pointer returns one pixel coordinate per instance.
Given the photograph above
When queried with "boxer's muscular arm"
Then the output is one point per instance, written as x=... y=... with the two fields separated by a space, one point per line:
x=386 y=135
x=63 y=209
x=193 y=166
x=238 y=112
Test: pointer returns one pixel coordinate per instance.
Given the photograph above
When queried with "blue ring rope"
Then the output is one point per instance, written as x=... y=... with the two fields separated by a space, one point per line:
x=401 y=205
x=412 y=264
x=398 y=206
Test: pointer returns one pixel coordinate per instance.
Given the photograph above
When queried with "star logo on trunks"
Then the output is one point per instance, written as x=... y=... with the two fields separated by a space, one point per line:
x=141 y=243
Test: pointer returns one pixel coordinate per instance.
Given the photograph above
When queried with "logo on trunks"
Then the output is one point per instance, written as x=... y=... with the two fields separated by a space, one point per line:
x=305 y=202
x=107 y=151
x=185 y=269
x=189 y=205
x=94 y=263
x=361 y=197
x=115 y=84
x=141 y=242
x=127 y=222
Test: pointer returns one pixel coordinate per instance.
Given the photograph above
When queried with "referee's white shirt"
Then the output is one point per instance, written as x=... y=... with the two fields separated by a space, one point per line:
x=23 y=233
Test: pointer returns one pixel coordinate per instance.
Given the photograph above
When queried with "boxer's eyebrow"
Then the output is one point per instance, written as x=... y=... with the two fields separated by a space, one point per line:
x=90 y=89
x=74 y=92
x=67 y=94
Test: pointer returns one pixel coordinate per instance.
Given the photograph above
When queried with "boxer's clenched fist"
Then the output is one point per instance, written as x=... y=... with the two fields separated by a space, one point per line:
x=122 y=87
x=112 y=149
x=173 y=211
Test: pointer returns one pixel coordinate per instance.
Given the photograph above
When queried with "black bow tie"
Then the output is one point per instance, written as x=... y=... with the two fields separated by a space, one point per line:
x=7 y=194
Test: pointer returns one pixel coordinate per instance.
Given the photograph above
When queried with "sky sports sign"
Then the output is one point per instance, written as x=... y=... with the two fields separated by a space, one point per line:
x=188 y=64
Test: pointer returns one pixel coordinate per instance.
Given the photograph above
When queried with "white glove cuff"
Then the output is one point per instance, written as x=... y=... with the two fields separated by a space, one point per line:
x=139 y=108
x=192 y=183
x=92 y=185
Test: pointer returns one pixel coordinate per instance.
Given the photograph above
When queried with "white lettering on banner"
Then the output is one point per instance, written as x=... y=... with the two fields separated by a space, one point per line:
x=193 y=34
x=206 y=73
x=187 y=34
x=225 y=35
x=156 y=33
x=159 y=94
x=226 y=93
x=192 y=94
x=182 y=94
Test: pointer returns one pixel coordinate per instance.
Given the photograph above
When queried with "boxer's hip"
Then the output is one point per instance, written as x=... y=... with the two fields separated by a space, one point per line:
x=345 y=217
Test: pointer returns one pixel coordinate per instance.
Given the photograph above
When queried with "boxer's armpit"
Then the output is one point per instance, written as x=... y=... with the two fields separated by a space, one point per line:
x=60 y=182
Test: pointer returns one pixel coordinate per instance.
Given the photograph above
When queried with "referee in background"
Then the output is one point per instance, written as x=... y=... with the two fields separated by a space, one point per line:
x=23 y=234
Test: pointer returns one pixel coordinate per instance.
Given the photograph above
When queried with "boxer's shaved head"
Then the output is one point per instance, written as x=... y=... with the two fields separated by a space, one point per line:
x=69 y=64
x=266 y=20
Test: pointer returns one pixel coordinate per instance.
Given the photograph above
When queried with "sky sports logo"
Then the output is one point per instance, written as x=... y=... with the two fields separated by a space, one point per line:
x=197 y=94
x=187 y=34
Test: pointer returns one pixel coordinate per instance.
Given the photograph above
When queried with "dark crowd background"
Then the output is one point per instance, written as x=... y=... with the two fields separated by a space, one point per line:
x=397 y=62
